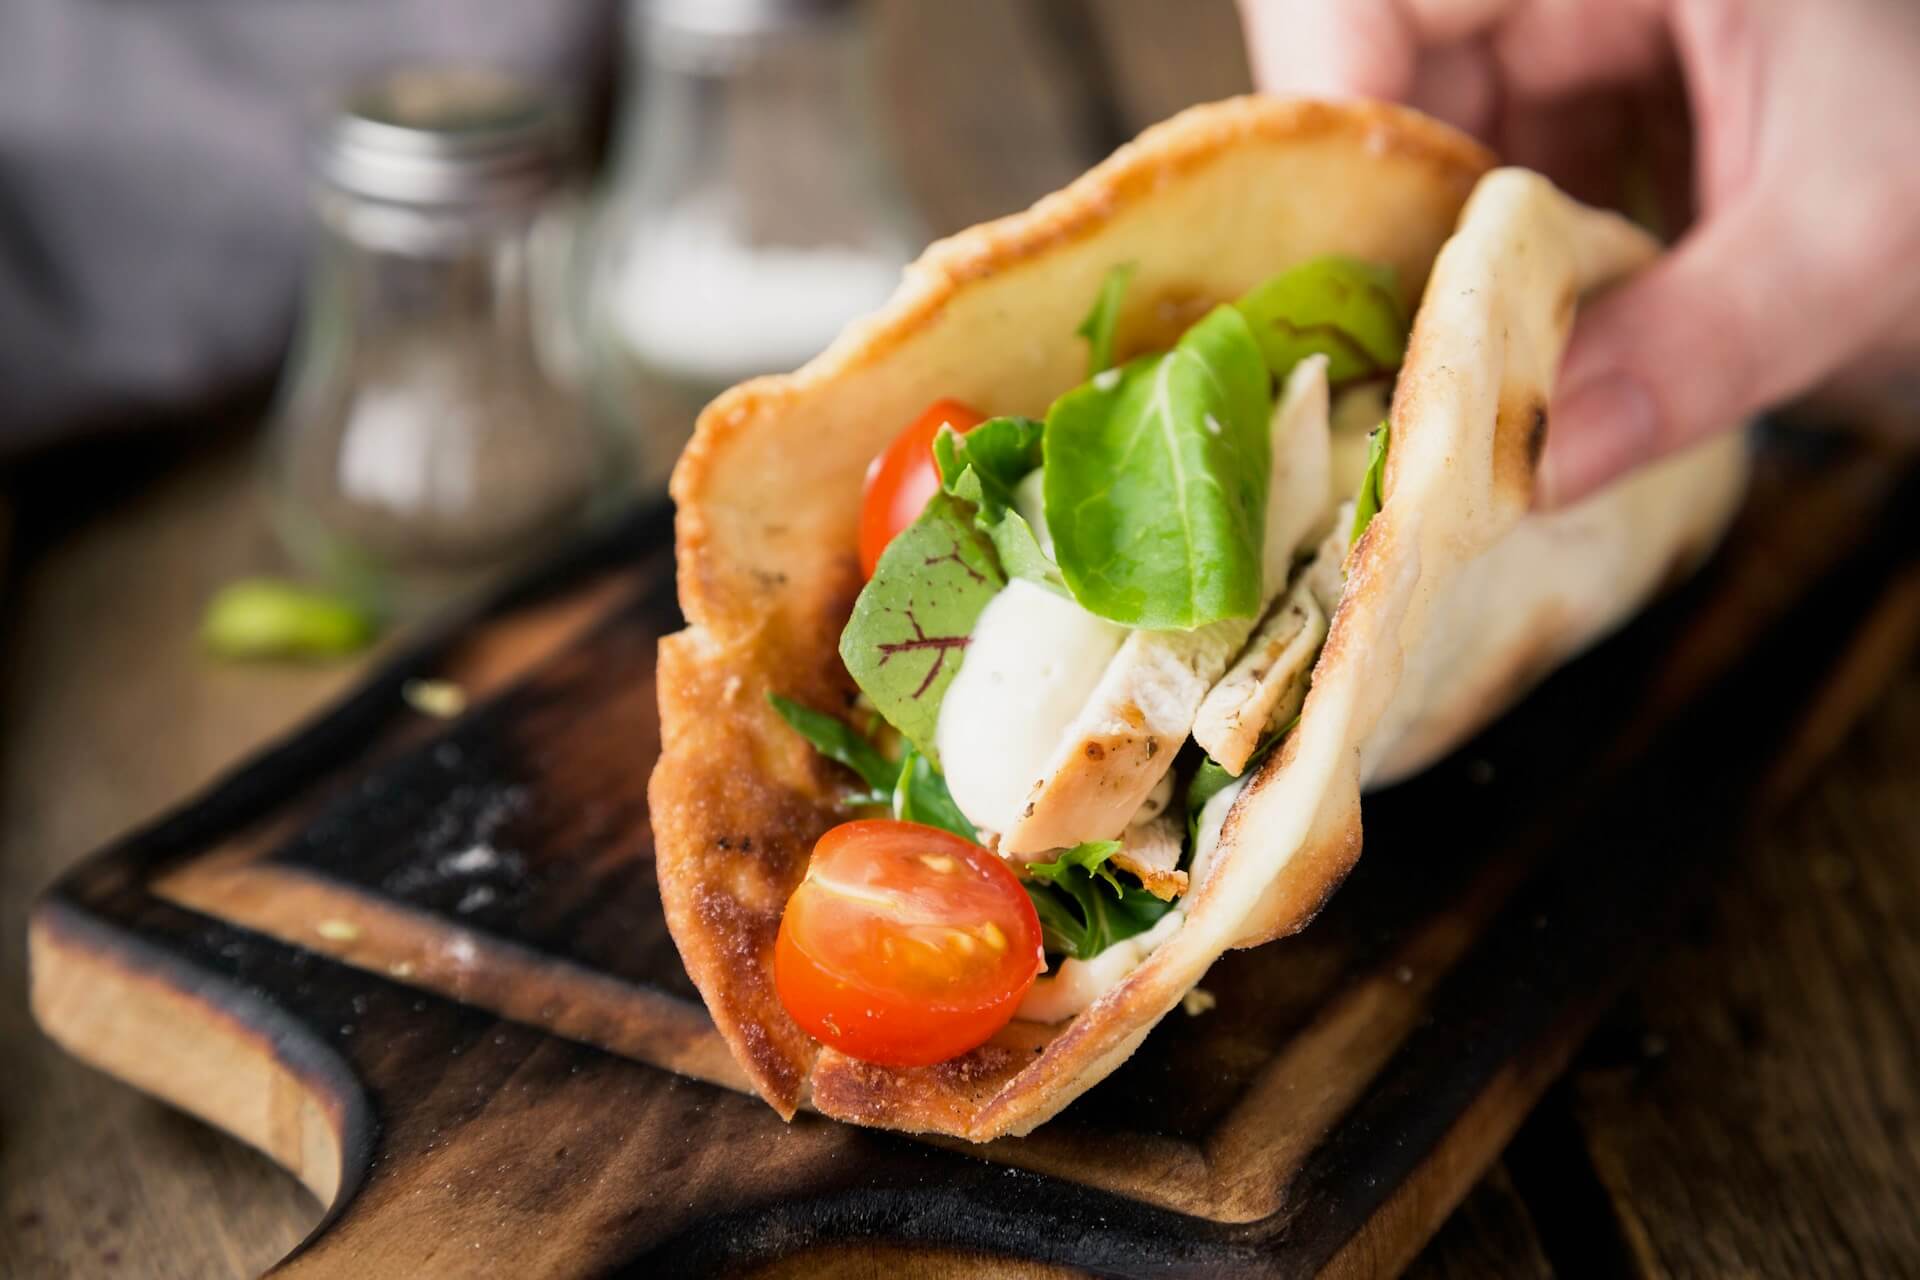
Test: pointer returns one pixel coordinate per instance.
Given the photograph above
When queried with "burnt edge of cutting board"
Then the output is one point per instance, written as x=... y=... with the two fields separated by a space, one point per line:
x=432 y=1128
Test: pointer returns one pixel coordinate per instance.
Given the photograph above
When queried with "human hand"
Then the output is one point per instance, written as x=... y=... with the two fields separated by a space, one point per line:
x=1805 y=256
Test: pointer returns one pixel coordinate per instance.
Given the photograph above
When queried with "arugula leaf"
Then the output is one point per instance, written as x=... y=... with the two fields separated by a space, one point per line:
x=1156 y=481
x=1013 y=538
x=1001 y=450
x=837 y=740
x=983 y=467
x=1089 y=856
x=1101 y=322
x=1345 y=308
x=921 y=795
x=1080 y=919
x=911 y=625
x=1211 y=778
x=1366 y=503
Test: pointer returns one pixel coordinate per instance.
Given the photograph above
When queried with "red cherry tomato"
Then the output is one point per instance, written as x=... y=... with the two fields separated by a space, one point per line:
x=904 y=476
x=905 y=945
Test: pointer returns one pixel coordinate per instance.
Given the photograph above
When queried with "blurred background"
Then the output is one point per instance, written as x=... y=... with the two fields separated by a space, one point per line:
x=318 y=314
x=207 y=209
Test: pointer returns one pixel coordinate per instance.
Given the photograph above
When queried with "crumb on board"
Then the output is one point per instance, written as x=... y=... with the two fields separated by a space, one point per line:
x=1197 y=1002
x=441 y=699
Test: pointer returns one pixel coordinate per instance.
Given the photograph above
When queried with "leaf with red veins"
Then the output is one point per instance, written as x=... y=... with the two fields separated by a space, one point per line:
x=956 y=558
x=941 y=645
x=916 y=612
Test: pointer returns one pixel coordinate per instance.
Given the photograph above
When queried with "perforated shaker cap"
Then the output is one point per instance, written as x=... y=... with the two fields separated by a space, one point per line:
x=438 y=136
x=736 y=17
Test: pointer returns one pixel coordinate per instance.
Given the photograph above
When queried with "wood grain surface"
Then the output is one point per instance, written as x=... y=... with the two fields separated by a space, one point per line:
x=1752 y=1109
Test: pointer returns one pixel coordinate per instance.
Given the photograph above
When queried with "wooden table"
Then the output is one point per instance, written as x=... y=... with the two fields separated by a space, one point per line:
x=1754 y=1107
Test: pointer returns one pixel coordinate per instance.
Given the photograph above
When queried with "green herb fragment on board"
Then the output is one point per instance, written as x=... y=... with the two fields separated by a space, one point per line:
x=264 y=618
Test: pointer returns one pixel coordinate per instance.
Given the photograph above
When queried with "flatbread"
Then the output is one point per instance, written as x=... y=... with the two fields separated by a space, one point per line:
x=1207 y=205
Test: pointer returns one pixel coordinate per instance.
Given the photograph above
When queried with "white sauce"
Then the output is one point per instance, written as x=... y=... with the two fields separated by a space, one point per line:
x=1033 y=660
x=1055 y=997
x=1213 y=816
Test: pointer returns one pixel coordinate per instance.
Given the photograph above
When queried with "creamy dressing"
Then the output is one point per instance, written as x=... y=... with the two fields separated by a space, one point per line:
x=1032 y=662
x=1213 y=817
x=1055 y=997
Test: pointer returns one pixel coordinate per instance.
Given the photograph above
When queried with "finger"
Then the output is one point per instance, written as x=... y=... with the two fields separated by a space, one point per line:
x=1581 y=141
x=1357 y=48
x=1740 y=315
x=1553 y=48
x=1451 y=21
x=1456 y=83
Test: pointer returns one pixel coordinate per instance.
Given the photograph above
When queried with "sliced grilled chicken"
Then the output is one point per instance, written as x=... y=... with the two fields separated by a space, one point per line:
x=1265 y=687
x=1326 y=573
x=1151 y=850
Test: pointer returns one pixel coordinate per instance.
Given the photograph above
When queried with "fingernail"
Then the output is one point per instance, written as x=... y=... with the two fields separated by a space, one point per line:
x=1595 y=431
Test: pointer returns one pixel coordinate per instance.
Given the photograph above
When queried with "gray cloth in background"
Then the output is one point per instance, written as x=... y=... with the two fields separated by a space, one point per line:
x=152 y=177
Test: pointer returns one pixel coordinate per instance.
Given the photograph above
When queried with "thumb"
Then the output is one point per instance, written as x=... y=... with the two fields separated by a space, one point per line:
x=1358 y=48
x=1740 y=314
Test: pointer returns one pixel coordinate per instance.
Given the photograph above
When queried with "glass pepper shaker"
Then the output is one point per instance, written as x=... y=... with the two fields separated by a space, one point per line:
x=430 y=429
x=749 y=213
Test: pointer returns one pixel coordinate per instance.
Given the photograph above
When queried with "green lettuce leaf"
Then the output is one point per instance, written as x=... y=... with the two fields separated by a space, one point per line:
x=1079 y=918
x=921 y=795
x=1156 y=481
x=837 y=740
x=1013 y=539
x=912 y=623
x=982 y=467
x=1104 y=320
x=1000 y=451
x=1211 y=778
x=1090 y=856
x=1344 y=308
x=1366 y=503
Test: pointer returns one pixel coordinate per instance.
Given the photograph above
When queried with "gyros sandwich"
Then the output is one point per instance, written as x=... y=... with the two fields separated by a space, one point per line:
x=1043 y=632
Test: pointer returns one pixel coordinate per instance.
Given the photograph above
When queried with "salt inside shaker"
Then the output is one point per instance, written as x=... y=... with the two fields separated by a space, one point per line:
x=750 y=210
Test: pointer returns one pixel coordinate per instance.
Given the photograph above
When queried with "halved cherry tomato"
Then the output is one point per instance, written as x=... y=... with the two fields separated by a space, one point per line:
x=905 y=945
x=902 y=478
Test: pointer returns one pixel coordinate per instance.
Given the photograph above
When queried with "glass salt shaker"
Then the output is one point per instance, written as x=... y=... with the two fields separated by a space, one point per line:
x=749 y=213
x=430 y=429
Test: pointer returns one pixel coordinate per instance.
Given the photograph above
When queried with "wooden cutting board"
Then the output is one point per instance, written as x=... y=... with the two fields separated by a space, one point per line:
x=421 y=962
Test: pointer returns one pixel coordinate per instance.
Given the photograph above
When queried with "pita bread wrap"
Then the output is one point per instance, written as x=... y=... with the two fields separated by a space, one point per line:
x=1457 y=597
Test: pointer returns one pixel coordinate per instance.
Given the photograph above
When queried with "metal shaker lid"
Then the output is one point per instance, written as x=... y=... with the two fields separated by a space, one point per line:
x=744 y=18
x=444 y=136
